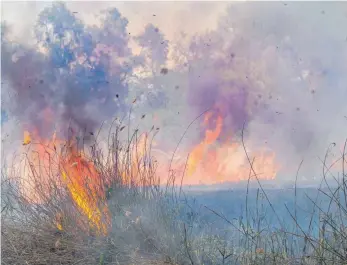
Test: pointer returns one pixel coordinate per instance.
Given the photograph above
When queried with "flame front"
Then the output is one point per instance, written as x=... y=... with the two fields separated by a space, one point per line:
x=211 y=162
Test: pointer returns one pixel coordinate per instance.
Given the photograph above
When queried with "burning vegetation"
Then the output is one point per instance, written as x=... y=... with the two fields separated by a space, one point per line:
x=95 y=195
x=61 y=168
x=213 y=161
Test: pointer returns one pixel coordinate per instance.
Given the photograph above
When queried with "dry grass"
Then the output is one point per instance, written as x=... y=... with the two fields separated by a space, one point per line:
x=29 y=229
x=154 y=225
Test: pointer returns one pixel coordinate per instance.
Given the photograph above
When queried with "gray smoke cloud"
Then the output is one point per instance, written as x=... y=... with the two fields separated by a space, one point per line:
x=74 y=75
x=279 y=68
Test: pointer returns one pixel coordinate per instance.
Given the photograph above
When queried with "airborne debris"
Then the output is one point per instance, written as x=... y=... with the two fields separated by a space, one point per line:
x=164 y=71
x=122 y=128
x=143 y=116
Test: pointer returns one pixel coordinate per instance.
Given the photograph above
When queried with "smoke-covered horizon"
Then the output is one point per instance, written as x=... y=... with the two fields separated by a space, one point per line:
x=275 y=69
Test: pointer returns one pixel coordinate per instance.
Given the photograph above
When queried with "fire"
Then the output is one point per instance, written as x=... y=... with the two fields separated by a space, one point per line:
x=210 y=137
x=86 y=188
x=38 y=168
x=211 y=162
x=70 y=170
x=27 y=138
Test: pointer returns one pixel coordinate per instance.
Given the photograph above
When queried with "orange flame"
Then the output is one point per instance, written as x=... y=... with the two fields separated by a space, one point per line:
x=210 y=163
x=27 y=138
x=86 y=189
x=210 y=136
x=78 y=175
x=38 y=168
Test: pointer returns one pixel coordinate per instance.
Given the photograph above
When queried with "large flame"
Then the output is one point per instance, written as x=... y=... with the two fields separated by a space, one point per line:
x=211 y=162
x=71 y=170
x=86 y=188
x=211 y=136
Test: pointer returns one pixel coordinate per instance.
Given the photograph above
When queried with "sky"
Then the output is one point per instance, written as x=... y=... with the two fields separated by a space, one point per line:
x=275 y=70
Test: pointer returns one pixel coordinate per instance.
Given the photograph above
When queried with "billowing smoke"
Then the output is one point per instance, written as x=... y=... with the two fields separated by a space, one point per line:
x=76 y=75
x=214 y=84
x=277 y=68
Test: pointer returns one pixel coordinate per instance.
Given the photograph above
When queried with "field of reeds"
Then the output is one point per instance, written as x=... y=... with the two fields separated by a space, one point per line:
x=133 y=218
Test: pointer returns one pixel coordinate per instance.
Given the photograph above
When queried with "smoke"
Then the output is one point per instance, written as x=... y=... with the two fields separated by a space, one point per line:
x=75 y=75
x=154 y=46
x=211 y=84
x=276 y=68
